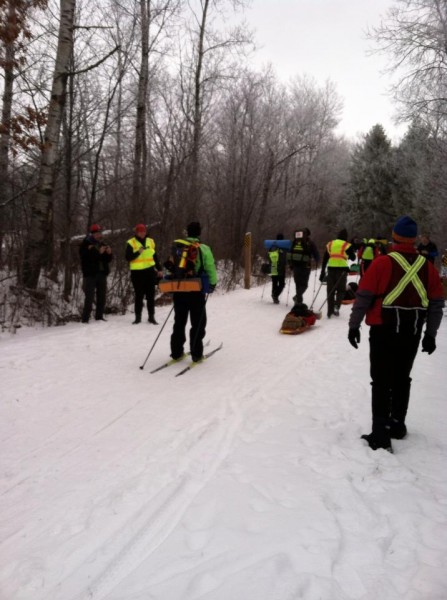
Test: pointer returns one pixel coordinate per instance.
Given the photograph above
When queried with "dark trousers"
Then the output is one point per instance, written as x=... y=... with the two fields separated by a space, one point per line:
x=94 y=284
x=301 y=278
x=278 y=284
x=391 y=356
x=194 y=305
x=336 y=288
x=144 y=287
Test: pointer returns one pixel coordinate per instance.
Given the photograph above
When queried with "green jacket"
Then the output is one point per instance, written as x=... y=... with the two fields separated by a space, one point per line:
x=205 y=261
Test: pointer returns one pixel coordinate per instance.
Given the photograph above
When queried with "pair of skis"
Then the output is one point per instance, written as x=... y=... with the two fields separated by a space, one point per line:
x=190 y=366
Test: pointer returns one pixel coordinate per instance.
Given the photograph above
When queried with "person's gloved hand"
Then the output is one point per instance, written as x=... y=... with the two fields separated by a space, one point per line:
x=428 y=343
x=322 y=276
x=354 y=337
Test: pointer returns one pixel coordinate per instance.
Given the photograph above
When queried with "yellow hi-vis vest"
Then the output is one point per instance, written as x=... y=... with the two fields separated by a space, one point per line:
x=411 y=276
x=337 y=253
x=145 y=260
x=274 y=259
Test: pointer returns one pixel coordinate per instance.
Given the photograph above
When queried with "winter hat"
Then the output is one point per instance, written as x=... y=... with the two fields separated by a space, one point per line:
x=194 y=229
x=140 y=227
x=95 y=228
x=279 y=236
x=405 y=230
x=342 y=235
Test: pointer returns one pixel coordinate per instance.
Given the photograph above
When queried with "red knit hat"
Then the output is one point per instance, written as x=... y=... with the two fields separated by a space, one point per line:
x=140 y=227
x=95 y=228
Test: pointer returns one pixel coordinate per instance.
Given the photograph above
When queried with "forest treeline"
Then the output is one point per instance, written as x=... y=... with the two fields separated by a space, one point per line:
x=132 y=111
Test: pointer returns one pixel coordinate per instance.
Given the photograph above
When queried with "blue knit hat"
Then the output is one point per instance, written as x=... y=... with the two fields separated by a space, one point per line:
x=405 y=230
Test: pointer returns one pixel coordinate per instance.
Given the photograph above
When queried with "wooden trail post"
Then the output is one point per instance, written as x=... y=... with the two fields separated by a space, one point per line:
x=247 y=260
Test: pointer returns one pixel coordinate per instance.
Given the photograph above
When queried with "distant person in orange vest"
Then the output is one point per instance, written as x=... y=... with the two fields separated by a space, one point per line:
x=145 y=270
x=336 y=257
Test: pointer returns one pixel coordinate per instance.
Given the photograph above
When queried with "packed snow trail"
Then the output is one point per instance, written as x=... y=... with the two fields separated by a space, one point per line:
x=244 y=480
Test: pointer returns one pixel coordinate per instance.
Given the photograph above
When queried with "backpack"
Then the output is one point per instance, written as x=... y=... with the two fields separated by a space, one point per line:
x=185 y=255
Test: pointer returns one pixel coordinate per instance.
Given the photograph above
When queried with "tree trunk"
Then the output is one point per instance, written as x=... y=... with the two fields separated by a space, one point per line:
x=194 y=192
x=41 y=224
x=8 y=70
x=140 y=167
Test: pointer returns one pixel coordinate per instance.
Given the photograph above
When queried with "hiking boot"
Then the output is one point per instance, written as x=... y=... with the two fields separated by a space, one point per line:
x=379 y=440
x=137 y=320
x=398 y=429
x=100 y=319
x=336 y=312
x=275 y=300
x=152 y=320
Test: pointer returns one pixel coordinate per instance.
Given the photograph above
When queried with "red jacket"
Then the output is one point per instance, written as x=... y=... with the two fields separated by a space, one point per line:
x=375 y=283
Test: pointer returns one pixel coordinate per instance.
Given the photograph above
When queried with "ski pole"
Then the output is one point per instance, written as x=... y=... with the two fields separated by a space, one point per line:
x=315 y=281
x=315 y=296
x=263 y=289
x=332 y=291
x=288 y=290
x=156 y=339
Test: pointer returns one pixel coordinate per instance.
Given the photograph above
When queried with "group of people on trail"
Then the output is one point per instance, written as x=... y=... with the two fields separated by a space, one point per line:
x=145 y=272
x=399 y=291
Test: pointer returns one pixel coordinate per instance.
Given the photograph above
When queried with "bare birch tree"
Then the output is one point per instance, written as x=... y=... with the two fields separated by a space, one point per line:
x=40 y=237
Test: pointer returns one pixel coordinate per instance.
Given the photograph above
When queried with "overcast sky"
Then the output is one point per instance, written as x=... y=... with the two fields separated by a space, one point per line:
x=327 y=40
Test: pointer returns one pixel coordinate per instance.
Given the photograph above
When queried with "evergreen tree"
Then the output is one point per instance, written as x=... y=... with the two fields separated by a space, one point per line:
x=372 y=181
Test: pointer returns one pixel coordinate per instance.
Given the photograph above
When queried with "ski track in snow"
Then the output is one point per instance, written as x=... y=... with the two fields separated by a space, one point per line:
x=244 y=479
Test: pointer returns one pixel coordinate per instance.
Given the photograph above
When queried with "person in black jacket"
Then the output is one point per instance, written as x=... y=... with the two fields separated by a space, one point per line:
x=427 y=248
x=95 y=258
x=302 y=251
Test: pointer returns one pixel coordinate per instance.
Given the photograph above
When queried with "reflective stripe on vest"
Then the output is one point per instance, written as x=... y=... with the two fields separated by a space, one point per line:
x=337 y=253
x=411 y=276
x=146 y=259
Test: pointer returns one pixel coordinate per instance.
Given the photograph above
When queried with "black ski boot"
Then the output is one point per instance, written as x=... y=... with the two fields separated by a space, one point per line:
x=398 y=429
x=379 y=438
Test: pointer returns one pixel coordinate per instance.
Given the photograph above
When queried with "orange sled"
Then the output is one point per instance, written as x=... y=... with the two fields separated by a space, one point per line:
x=293 y=324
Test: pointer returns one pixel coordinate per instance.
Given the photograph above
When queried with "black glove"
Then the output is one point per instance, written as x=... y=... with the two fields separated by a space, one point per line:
x=354 y=337
x=211 y=288
x=322 y=275
x=428 y=343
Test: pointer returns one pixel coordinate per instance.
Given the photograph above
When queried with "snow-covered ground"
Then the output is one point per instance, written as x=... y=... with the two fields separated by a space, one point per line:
x=244 y=479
